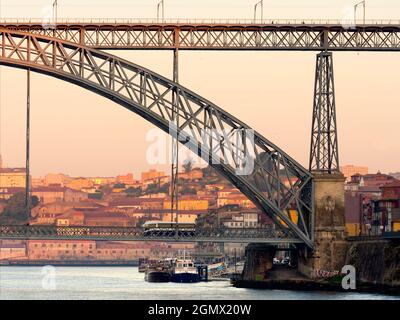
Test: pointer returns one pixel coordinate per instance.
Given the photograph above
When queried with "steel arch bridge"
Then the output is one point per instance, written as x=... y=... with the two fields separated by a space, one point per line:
x=277 y=182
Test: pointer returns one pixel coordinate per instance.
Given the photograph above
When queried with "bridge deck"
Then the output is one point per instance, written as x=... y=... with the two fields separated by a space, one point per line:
x=200 y=34
x=137 y=234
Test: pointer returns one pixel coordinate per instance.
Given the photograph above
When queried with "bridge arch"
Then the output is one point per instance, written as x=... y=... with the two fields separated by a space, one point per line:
x=277 y=184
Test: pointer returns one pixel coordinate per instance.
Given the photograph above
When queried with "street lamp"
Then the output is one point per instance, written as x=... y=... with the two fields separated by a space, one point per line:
x=55 y=5
x=261 y=4
x=161 y=3
x=355 y=10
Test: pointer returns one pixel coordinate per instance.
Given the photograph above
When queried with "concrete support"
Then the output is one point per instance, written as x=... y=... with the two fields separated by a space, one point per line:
x=259 y=260
x=329 y=254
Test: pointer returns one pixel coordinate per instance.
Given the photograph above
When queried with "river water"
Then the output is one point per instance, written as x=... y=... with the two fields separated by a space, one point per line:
x=116 y=283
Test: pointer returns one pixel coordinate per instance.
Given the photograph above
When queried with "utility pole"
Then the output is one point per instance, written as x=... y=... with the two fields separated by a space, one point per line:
x=175 y=140
x=261 y=4
x=28 y=119
x=55 y=7
x=161 y=3
x=355 y=11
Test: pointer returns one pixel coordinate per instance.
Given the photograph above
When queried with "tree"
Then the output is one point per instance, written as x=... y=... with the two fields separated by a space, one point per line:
x=187 y=190
x=98 y=195
x=119 y=186
x=15 y=212
x=134 y=192
x=106 y=189
x=152 y=188
x=188 y=165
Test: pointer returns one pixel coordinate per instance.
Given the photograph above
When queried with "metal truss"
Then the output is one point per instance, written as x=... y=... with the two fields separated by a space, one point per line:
x=265 y=235
x=276 y=183
x=189 y=36
x=324 y=155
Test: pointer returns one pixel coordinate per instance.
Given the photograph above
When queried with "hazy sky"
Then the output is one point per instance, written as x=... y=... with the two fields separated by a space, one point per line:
x=80 y=133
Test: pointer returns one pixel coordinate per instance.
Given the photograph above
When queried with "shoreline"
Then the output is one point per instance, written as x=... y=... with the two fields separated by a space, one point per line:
x=72 y=263
x=312 y=285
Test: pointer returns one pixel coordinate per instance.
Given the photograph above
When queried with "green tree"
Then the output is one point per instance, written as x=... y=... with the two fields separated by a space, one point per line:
x=187 y=165
x=152 y=188
x=106 y=189
x=15 y=212
x=98 y=195
x=134 y=192
x=164 y=188
x=186 y=190
x=119 y=186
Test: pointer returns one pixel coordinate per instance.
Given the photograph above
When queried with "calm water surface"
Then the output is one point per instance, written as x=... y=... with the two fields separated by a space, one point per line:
x=127 y=283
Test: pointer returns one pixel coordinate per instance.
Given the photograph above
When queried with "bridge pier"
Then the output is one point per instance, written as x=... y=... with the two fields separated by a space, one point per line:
x=330 y=244
x=329 y=253
x=259 y=260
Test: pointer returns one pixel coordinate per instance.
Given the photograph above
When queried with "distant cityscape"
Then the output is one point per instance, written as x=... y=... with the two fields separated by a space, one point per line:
x=372 y=205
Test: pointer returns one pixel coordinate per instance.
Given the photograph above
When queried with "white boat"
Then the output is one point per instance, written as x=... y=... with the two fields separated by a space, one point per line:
x=184 y=271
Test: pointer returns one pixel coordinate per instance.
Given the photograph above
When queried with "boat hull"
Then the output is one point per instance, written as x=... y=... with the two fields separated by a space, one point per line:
x=157 y=276
x=185 y=277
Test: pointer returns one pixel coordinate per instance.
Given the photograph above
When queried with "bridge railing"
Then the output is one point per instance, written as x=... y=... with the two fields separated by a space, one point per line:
x=201 y=21
x=138 y=233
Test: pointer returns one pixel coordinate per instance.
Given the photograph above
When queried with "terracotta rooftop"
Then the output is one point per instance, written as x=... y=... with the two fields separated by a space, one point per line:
x=394 y=184
x=130 y=201
x=49 y=189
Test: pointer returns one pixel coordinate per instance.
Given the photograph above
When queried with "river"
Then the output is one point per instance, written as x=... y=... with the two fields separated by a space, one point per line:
x=117 y=283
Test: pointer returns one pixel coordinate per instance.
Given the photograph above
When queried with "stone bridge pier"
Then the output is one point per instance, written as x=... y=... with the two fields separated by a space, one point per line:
x=329 y=254
x=259 y=261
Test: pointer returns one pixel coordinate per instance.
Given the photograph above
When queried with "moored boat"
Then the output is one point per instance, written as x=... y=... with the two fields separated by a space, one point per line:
x=158 y=271
x=157 y=276
x=185 y=271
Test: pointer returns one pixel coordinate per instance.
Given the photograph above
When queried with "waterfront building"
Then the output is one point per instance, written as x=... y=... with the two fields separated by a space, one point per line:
x=107 y=219
x=70 y=218
x=49 y=194
x=12 y=250
x=80 y=183
x=102 y=181
x=137 y=203
x=194 y=174
x=184 y=216
x=7 y=193
x=151 y=174
x=56 y=179
x=188 y=202
x=12 y=177
x=60 y=250
x=71 y=195
x=127 y=179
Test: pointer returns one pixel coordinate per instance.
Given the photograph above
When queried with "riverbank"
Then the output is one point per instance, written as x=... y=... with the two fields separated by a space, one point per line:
x=287 y=278
x=71 y=263
x=314 y=285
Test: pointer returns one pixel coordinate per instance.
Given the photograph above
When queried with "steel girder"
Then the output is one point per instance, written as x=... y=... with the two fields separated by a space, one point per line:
x=276 y=185
x=317 y=37
x=264 y=235
x=324 y=155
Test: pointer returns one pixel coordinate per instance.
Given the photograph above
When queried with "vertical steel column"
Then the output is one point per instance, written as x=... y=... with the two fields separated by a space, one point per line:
x=28 y=119
x=175 y=143
x=324 y=153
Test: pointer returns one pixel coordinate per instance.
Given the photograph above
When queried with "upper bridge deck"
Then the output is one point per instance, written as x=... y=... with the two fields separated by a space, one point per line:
x=219 y=34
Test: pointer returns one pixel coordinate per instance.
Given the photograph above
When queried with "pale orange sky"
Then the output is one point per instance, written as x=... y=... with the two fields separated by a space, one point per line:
x=80 y=133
